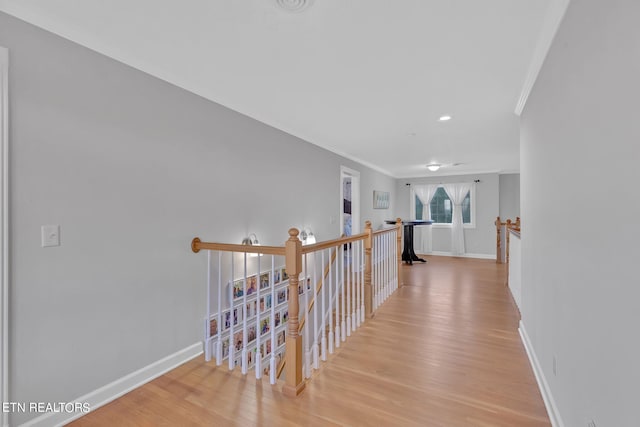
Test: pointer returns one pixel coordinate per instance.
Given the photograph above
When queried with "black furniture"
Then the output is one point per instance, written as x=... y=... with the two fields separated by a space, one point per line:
x=408 y=254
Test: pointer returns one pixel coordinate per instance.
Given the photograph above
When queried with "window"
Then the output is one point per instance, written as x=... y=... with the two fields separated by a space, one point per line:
x=442 y=208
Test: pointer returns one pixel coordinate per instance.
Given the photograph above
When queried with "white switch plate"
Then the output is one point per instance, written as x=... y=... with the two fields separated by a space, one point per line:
x=50 y=235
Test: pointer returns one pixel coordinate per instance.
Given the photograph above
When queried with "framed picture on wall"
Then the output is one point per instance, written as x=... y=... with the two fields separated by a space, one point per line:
x=381 y=199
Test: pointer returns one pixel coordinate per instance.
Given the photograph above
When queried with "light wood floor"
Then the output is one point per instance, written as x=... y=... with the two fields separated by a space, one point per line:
x=444 y=350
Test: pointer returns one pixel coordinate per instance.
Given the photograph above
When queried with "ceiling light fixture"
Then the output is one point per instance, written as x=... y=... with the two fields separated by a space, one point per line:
x=433 y=167
x=444 y=118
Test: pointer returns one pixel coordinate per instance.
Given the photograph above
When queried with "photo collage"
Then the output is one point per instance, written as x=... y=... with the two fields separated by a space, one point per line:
x=259 y=308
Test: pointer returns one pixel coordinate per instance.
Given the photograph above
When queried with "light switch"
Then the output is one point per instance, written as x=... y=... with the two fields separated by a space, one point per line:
x=50 y=235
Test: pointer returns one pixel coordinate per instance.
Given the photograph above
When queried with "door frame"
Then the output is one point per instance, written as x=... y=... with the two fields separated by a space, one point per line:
x=346 y=172
x=4 y=229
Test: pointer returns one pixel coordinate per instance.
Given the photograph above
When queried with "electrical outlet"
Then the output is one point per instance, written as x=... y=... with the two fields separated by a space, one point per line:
x=555 y=366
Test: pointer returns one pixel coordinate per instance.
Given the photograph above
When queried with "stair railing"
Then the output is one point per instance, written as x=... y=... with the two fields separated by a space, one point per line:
x=502 y=238
x=272 y=308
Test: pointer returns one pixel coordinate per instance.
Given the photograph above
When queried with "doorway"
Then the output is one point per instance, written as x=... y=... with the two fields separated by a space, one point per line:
x=349 y=201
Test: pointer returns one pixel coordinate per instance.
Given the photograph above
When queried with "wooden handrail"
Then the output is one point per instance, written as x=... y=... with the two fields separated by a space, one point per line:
x=384 y=230
x=197 y=245
x=331 y=243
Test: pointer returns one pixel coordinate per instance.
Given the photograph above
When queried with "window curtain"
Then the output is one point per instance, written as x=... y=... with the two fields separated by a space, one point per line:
x=425 y=193
x=457 y=193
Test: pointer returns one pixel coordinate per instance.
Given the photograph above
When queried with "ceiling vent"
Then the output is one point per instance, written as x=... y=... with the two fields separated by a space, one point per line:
x=294 y=5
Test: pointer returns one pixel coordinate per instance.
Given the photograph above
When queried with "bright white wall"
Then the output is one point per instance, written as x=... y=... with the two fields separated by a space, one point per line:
x=132 y=169
x=509 y=196
x=478 y=240
x=580 y=206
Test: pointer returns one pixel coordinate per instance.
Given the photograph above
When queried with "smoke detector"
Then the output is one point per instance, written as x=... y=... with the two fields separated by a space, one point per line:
x=294 y=5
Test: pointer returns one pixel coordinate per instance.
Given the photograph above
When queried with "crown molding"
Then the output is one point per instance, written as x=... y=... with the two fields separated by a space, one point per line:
x=553 y=18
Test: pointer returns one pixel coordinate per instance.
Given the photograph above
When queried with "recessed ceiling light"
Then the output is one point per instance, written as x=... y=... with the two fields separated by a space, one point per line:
x=433 y=167
x=294 y=5
x=444 y=118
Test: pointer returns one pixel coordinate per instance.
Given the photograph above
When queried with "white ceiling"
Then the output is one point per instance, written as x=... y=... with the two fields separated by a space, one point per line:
x=364 y=78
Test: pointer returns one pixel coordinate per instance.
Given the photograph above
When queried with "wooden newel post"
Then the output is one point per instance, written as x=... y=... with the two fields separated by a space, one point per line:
x=368 y=295
x=294 y=382
x=507 y=238
x=498 y=249
x=399 y=249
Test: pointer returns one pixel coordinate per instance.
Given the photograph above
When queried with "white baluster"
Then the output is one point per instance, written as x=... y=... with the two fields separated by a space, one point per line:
x=386 y=269
x=218 y=347
x=315 y=357
x=375 y=279
x=391 y=262
x=376 y=264
x=272 y=360
x=383 y=267
x=362 y=262
x=354 y=286
x=243 y=359
x=306 y=343
x=348 y=293
x=272 y=365
x=316 y=345
x=356 y=262
x=323 y=326
x=232 y=345
x=207 y=323
x=396 y=267
x=337 y=298
x=330 y=338
x=257 y=357
x=343 y=326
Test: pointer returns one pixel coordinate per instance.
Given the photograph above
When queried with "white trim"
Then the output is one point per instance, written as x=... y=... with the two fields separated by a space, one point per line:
x=446 y=173
x=449 y=225
x=545 y=390
x=4 y=229
x=467 y=255
x=553 y=18
x=119 y=387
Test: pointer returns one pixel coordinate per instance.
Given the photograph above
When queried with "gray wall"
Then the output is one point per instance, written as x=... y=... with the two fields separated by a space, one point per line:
x=580 y=208
x=509 y=196
x=478 y=240
x=132 y=168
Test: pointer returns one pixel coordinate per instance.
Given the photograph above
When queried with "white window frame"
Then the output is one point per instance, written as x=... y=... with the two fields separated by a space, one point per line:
x=472 y=224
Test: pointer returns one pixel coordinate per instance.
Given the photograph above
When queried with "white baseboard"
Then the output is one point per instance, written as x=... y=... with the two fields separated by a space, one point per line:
x=478 y=256
x=547 y=397
x=119 y=387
